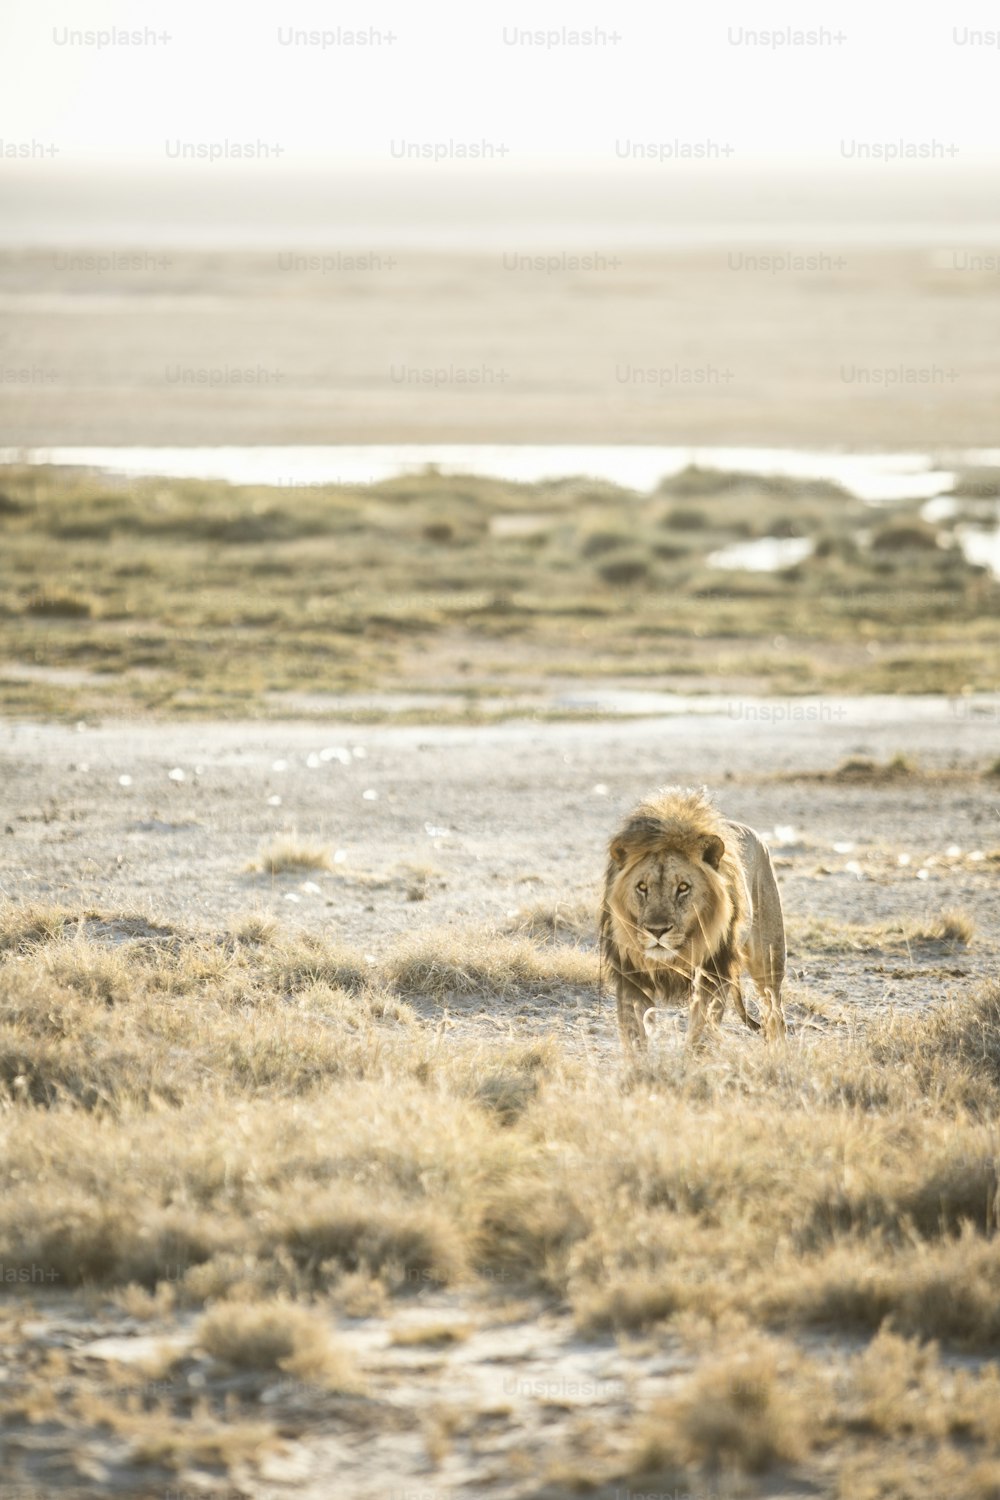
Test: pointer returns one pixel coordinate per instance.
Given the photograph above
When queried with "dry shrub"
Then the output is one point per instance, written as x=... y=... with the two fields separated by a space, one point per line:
x=409 y=1245
x=289 y=854
x=256 y=930
x=76 y=1240
x=953 y=926
x=915 y=1474
x=895 y=1380
x=55 y=605
x=562 y=921
x=503 y=1080
x=506 y=1093
x=277 y=1335
x=304 y=961
x=685 y=518
x=103 y=1027
x=627 y=570
x=604 y=539
x=21 y=927
x=863 y=769
x=526 y=1231
x=158 y=1438
x=948 y=1291
x=92 y=972
x=956 y=1047
x=905 y=535
x=899 y=1422
x=627 y=1306
x=953 y=1190
x=742 y=1411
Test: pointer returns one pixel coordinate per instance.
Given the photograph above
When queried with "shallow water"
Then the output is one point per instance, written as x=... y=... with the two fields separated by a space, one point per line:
x=765 y=555
x=981 y=546
x=872 y=476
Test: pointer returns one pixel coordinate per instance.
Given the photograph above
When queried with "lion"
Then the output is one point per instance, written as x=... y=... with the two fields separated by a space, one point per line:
x=690 y=905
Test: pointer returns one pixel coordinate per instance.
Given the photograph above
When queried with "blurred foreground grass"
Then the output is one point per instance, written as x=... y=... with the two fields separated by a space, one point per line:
x=286 y=1141
x=198 y=598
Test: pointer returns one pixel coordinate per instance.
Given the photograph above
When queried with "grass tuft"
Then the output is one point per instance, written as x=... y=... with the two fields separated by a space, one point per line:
x=953 y=926
x=289 y=854
x=277 y=1335
x=59 y=606
x=444 y=964
x=563 y=921
x=741 y=1412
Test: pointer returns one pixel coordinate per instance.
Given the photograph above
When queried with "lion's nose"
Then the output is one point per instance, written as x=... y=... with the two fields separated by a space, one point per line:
x=659 y=932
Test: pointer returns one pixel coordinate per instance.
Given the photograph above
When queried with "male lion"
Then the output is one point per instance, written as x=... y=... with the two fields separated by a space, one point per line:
x=690 y=904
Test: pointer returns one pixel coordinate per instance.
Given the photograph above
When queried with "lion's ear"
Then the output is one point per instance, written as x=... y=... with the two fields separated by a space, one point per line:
x=713 y=851
x=619 y=852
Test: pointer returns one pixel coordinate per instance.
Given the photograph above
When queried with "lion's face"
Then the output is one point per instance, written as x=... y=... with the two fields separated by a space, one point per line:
x=667 y=907
x=662 y=897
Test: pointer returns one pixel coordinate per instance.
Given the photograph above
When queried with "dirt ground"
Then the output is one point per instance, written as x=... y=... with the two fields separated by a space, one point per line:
x=848 y=346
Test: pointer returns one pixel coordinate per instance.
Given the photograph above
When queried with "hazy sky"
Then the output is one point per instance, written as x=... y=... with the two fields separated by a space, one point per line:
x=685 y=74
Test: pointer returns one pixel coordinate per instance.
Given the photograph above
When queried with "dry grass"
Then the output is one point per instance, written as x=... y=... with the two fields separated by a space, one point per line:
x=277 y=1335
x=430 y=1335
x=953 y=926
x=737 y=1413
x=899 y=1421
x=840 y=1184
x=884 y=1191
x=288 y=854
x=494 y=966
x=562 y=921
x=21 y=928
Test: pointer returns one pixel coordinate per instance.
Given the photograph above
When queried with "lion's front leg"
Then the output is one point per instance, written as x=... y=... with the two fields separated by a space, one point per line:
x=709 y=997
x=632 y=1006
x=741 y=1009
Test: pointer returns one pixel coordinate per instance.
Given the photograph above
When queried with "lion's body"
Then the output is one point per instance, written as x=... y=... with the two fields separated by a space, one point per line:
x=690 y=905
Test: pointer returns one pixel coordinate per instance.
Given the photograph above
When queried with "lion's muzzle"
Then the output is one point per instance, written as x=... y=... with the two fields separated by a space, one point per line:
x=661 y=940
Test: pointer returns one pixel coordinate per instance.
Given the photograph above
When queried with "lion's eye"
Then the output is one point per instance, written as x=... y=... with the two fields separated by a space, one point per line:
x=683 y=888
x=642 y=887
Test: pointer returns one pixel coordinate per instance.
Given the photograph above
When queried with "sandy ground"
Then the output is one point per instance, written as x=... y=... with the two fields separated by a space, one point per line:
x=859 y=348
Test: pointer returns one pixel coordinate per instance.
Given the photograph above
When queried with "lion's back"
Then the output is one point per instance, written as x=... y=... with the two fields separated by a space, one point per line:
x=764 y=933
